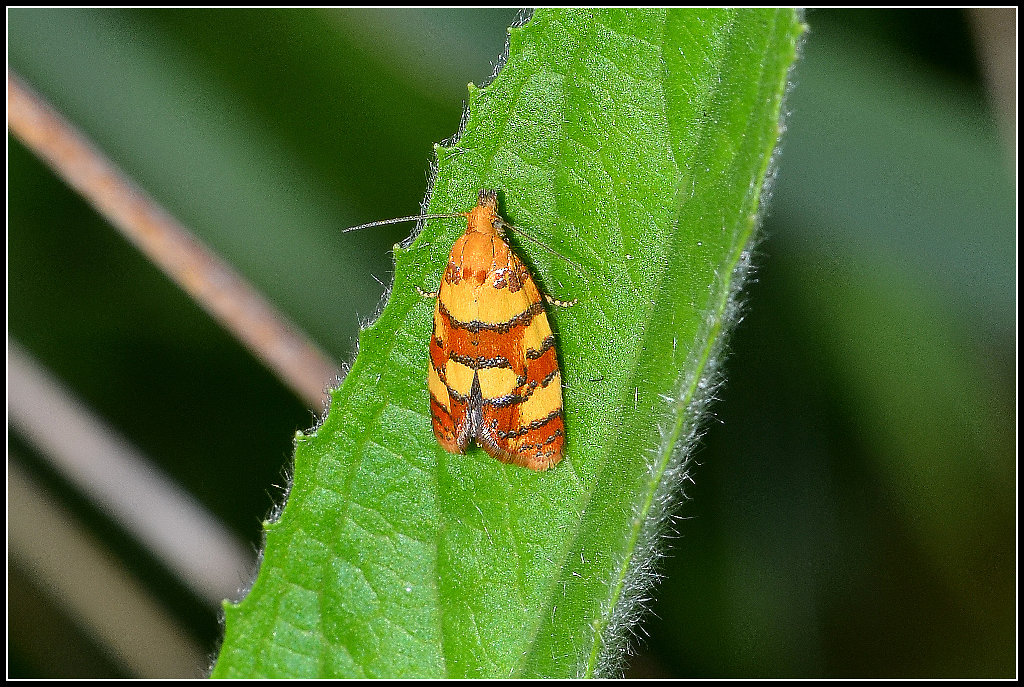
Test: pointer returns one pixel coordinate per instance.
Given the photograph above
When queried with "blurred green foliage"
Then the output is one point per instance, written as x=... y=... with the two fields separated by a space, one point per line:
x=854 y=513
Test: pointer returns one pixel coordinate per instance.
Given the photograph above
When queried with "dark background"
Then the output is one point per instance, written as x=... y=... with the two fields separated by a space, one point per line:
x=853 y=514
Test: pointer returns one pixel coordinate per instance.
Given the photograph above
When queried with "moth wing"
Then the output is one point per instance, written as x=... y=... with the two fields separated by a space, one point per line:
x=521 y=414
x=448 y=409
x=527 y=427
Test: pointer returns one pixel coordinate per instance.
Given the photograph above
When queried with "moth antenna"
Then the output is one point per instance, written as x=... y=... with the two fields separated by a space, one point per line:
x=543 y=245
x=396 y=220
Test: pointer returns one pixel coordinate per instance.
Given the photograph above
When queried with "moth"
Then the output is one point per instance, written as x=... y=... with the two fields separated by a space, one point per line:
x=493 y=374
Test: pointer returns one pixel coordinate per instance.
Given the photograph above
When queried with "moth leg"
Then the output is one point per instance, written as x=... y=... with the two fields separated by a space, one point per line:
x=561 y=304
x=427 y=294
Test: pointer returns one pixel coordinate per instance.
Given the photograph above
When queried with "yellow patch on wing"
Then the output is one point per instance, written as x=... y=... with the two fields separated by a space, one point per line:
x=459 y=376
x=460 y=300
x=437 y=389
x=437 y=322
x=535 y=335
x=496 y=306
x=543 y=402
x=496 y=382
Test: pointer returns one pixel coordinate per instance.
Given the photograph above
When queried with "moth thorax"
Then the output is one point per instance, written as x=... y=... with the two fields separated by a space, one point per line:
x=484 y=220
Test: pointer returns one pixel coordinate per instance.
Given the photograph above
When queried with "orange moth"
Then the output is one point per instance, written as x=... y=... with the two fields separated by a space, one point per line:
x=493 y=374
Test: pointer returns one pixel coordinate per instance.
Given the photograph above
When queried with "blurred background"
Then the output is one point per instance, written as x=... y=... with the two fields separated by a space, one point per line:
x=854 y=510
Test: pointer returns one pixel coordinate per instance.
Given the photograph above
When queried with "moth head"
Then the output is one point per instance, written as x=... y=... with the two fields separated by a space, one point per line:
x=488 y=197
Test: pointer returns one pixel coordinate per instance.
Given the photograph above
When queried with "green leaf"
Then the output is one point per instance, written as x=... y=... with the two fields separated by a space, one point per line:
x=636 y=144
